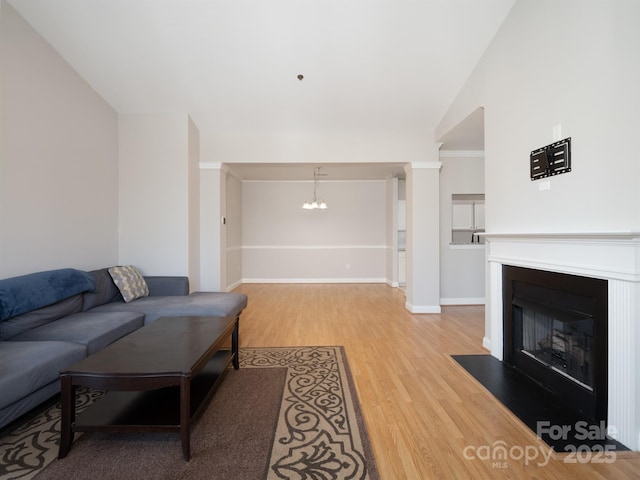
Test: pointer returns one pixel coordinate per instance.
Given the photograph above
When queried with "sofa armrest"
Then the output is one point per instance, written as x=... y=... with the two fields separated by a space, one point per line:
x=163 y=286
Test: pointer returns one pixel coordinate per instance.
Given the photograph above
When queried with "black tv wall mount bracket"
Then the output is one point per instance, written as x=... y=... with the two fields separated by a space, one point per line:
x=551 y=160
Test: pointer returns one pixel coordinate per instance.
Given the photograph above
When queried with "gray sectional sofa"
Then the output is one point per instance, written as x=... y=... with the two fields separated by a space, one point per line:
x=51 y=320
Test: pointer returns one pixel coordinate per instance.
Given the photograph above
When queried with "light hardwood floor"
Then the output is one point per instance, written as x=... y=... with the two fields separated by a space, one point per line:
x=425 y=415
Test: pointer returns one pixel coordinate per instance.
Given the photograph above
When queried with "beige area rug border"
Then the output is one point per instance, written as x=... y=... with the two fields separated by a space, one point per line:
x=320 y=431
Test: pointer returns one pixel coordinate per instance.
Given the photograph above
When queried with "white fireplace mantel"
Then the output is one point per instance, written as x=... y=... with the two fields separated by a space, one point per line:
x=614 y=256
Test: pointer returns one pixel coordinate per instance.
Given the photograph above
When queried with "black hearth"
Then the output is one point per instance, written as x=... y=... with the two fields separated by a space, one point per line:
x=555 y=332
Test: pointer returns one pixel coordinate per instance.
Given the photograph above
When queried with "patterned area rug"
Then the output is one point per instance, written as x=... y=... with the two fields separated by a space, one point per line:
x=33 y=445
x=319 y=434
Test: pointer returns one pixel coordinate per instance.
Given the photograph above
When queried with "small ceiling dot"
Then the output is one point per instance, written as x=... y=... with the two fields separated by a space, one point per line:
x=300 y=76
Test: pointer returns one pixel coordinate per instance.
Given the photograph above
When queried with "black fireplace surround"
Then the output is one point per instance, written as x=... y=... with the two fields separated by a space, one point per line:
x=555 y=332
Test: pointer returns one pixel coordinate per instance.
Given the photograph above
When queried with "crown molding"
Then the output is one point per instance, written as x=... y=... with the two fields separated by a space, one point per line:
x=423 y=165
x=210 y=166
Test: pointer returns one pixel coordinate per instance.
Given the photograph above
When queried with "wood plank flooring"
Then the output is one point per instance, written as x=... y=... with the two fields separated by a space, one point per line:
x=426 y=416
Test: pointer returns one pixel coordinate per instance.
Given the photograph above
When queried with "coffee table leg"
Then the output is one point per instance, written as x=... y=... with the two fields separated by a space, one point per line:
x=234 y=345
x=185 y=417
x=68 y=414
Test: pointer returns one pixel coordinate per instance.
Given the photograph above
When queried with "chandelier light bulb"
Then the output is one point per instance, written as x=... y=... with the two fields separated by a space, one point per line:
x=315 y=204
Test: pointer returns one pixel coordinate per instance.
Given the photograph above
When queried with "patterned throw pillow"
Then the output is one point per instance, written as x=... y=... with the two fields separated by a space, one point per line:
x=130 y=282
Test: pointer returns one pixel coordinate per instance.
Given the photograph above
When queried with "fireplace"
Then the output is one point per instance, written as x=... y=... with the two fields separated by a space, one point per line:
x=555 y=331
x=613 y=257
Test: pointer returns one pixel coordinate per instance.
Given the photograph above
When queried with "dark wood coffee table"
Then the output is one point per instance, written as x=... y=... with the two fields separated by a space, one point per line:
x=158 y=378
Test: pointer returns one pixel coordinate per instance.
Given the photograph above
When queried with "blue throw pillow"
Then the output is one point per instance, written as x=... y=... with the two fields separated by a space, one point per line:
x=36 y=290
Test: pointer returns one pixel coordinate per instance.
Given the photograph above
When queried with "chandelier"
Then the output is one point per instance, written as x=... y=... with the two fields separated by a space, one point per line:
x=315 y=203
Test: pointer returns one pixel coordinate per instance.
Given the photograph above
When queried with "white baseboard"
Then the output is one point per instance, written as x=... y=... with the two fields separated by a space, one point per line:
x=463 y=301
x=234 y=285
x=486 y=343
x=314 y=280
x=423 y=308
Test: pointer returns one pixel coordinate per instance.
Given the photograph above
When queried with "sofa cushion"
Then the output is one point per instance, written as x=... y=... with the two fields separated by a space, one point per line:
x=36 y=290
x=166 y=285
x=36 y=318
x=27 y=366
x=23 y=405
x=105 y=291
x=93 y=330
x=130 y=282
x=213 y=304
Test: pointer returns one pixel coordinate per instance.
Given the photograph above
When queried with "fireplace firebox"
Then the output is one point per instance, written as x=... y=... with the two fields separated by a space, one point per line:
x=555 y=331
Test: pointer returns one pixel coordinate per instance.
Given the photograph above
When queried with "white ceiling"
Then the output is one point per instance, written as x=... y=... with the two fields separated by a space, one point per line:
x=368 y=65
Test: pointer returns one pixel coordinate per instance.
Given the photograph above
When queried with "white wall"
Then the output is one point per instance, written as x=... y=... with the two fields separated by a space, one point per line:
x=194 y=205
x=462 y=267
x=283 y=242
x=313 y=147
x=58 y=160
x=574 y=64
x=593 y=94
x=154 y=193
x=233 y=229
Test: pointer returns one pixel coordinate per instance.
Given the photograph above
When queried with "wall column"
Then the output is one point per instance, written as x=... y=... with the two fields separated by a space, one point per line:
x=212 y=237
x=423 y=234
x=194 y=206
x=392 y=231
